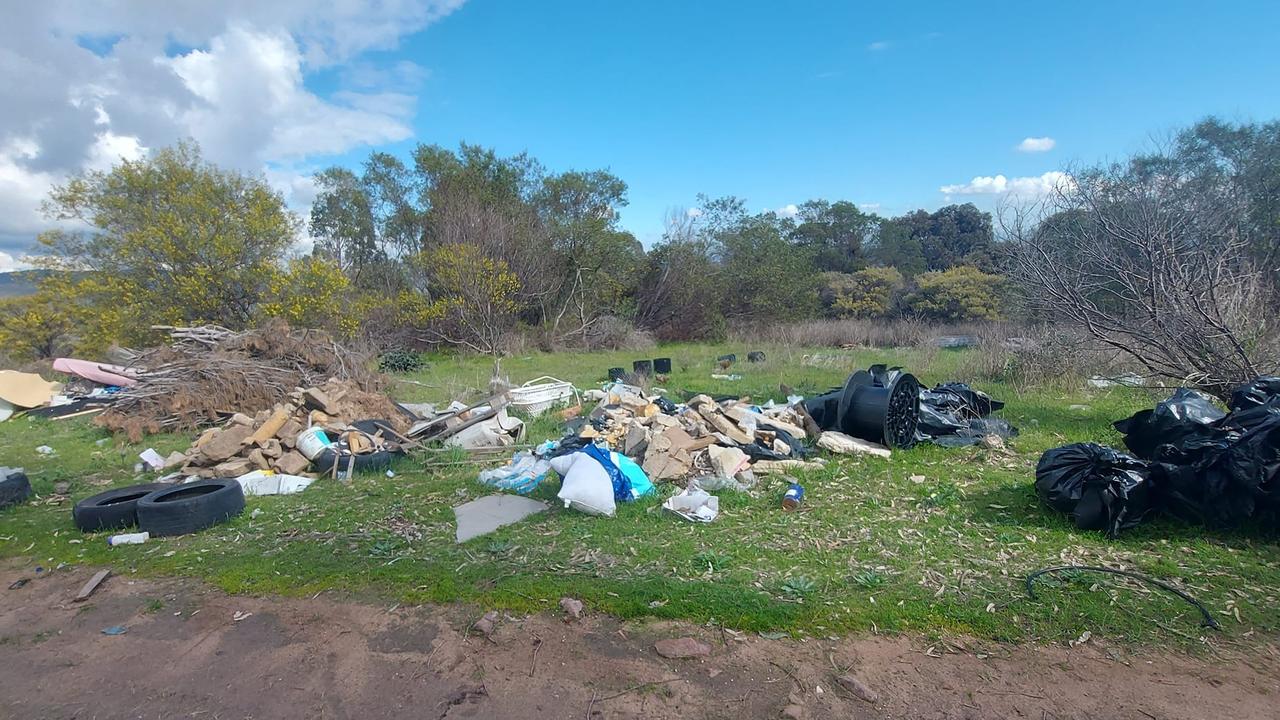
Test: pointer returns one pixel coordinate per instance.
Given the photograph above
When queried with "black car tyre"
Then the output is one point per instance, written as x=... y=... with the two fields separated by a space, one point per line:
x=182 y=509
x=112 y=509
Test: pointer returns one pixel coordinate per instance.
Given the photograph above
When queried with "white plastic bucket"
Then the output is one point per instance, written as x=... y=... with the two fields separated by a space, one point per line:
x=312 y=441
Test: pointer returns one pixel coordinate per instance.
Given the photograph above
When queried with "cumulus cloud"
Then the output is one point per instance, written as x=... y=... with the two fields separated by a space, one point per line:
x=9 y=263
x=1000 y=185
x=1036 y=144
x=788 y=211
x=87 y=82
x=693 y=212
x=878 y=45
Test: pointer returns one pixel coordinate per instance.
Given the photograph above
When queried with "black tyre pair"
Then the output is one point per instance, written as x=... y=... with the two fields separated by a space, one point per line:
x=162 y=509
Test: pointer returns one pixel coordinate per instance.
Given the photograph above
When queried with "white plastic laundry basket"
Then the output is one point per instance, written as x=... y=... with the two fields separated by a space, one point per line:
x=536 y=396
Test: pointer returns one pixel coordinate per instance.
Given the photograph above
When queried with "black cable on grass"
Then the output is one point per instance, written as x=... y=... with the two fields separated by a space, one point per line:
x=1208 y=619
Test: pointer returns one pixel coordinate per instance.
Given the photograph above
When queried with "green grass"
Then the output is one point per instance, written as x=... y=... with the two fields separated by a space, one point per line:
x=873 y=549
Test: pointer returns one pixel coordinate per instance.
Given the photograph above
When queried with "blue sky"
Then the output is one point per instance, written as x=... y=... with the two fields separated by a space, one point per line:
x=873 y=103
x=883 y=104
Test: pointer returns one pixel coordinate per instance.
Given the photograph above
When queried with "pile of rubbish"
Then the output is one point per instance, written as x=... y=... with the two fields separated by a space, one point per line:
x=1188 y=458
x=320 y=429
x=632 y=439
x=208 y=373
x=889 y=406
x=707 y=444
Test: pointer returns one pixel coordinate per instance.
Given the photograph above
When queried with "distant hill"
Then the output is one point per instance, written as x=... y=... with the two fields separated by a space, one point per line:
x=21 y=282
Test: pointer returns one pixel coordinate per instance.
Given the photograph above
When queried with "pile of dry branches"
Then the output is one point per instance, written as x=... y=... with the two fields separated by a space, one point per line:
x=210 y=372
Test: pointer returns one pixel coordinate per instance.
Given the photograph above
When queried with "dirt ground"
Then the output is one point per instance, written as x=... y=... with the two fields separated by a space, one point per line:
x=184 y=654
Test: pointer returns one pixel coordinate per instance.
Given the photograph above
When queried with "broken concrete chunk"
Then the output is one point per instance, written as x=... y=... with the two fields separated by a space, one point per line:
x=728 y=461
x=258 y=459
x=288 y=433
x=174 y=460
x=685 y=647
x=316 y=399
x=838 y=442
x=272 y=449
x=636 y=441
x=292 y=463
x=226 y=443
x=766 y=467
x=233 y=468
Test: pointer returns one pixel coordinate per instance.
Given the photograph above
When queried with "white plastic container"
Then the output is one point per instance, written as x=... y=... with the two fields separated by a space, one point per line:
x=536 y=397
x=312 y=441
x=129 y=539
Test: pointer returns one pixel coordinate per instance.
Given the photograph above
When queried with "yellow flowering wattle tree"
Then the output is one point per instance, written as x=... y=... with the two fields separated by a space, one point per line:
x=167 y=239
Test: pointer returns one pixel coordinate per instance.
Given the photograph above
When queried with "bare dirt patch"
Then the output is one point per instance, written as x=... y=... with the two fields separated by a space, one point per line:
x=184 y=654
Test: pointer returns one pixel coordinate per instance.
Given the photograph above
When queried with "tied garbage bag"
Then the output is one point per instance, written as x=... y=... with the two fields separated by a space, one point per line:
x=1259 y=392
x=1187 y=416
x=1225 y=478
x=521 y=475
x=1100 y=488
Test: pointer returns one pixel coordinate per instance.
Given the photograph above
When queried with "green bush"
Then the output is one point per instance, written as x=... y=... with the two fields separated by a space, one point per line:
x=960 y=294
x=868 y=293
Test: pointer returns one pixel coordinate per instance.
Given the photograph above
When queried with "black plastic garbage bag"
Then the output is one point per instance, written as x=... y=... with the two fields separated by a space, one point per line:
x=954 y=415
x=1259 y=392
x=1185 y=416
x=1226 y=478
x=1100 y=488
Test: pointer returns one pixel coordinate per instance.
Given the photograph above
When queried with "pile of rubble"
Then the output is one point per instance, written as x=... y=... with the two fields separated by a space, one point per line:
x=209 y=373
x=269 y=439
x=731 y=439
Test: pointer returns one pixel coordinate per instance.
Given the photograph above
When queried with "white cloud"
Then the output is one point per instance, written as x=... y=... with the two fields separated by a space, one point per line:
x=86 y=82
x=9 y=263
x=788 y=211
x=1001 y=185
x=878 y=45
x=869 y=206
x=693 y=212
x=1036 y=144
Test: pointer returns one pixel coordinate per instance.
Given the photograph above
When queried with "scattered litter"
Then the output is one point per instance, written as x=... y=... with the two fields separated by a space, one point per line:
x=793 y=497
x=841 y=444
x=483 y=516
x=115 y=630
x=536 y=397
x=522 y=475
x=19 y=583
x=240 y=615
x=91 y=587
x=44 y=450
x=152 y=458
x=26 y=390
x=694 y=504
x=266 y=482
x=137 y=538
